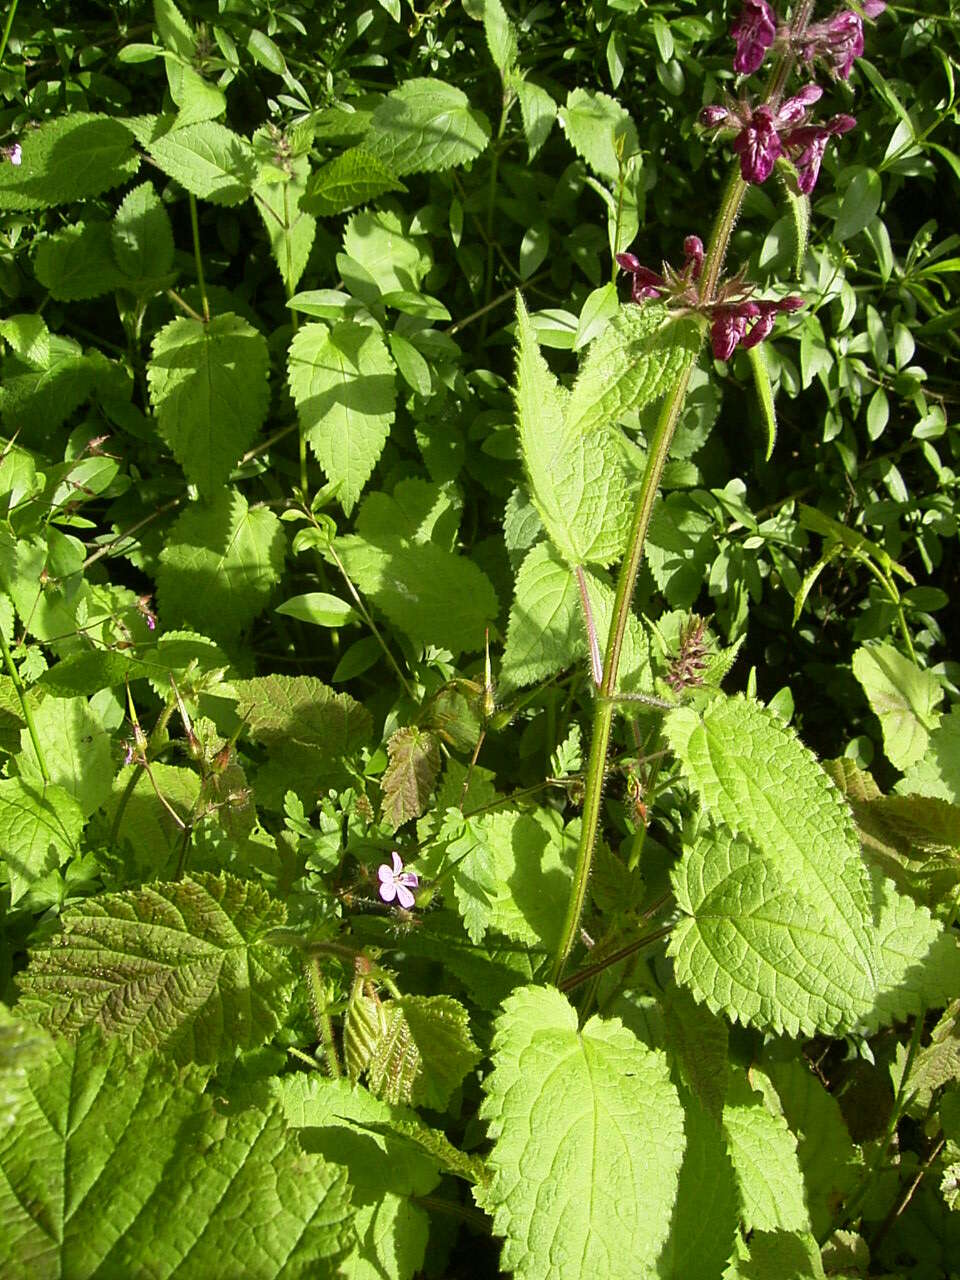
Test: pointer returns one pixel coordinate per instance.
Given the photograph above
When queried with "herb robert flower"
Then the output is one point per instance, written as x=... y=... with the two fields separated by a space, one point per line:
x=397 y=883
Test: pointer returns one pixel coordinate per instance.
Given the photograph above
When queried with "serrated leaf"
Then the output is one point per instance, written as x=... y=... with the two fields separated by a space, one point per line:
x=501 y=36
x=114 y=1167
x=681 y=543
x=290 y=225
x=67 y=159
x=39 y=831
x=378 y=241
x=569 y=1109
x=146 y=832
x=364 y=1025
x=208 y=388
x=426 y=125
x=142 y=236
x=411 y=774
x=515 y=875
x=181 y=966
x=903 y=698
x=636 y=359
x=353 y=178
x=301 y=712
x=784 y=926
x=86 y=673
x=219 y=566
x=546 y=630
x=424 y=1053
x=436 y=597
x=764 y=1155
x=577 y=482
x=344 y=385
x=597 y=127
x=78 y=262
x=42 y=398
x=207 y=159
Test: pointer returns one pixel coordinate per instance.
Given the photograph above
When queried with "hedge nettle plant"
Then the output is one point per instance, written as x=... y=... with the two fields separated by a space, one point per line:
x=310 y=966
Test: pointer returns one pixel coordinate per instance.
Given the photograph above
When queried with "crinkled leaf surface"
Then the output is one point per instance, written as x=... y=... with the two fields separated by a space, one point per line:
x=303 y=712
x=69 y=158
x=344 y=384
x=782 y=923
x=426 y=125
x=588 y=1140
x=577 y=481
x=115 y=1168
x=219 y=566
x=180 y=966
x=546 y=630
x=208 y=159
x=208 y=387
x=409 y=778
x=424 y=1052
x=353 y=178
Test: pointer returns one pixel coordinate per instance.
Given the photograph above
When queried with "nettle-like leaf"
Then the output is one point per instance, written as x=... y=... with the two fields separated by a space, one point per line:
x=577 y=481
x=290 y=227
x=513 y=874
x=40 y=827
x=636 y=358
x=764 y=1155
x=181 y=966
x=78 y=262
x=425 y=125
x=142 y=237
x=208 y=388
x=903 y=698
x=782 y=923
x=599 y=130
x=114 y=1166
x=410 y=776
x=424 y=1051
x=219 y=566
x=76 y=751
x=40 y=398
x=571 y=1109
x=67 y=159
x=353 y=178
x=546 y=629
x=938 y=773
x=207 y=159
x=343 y=382
x=148 y=834
x=538 y=112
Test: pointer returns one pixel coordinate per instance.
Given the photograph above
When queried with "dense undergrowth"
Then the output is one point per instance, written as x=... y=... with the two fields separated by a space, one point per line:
x=481 y=778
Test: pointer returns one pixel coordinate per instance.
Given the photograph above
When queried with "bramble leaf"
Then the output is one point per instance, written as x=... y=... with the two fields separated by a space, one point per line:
x=425 y=125
x=70 y=158
x=344 y=384
x=178 y=966
x=208 y=387
x=115 y=1167
x=410 y=776
x=424 y=1052
x=570 y=1109
x=219 y=566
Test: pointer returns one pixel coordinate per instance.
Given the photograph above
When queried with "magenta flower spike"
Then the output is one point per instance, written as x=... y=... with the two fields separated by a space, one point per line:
x=754 y=32
x=758 y=145
x=838 y=41
x=745 y=324
x=397 y=883
x=646 y=283
x=807 y=144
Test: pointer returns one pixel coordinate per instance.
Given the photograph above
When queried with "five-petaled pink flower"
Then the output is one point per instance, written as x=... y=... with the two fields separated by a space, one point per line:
x=397 y=883
x=754 y=32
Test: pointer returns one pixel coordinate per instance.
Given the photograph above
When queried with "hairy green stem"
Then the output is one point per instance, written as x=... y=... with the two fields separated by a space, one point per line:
x=295 y=325
x=11 y=14
x=198 y=258
x=22 y=694
x=656 y=460
x=321 y=1018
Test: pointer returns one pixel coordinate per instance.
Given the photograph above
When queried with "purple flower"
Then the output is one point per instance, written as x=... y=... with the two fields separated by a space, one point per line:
x=674 y=284
x=838 y=41
x=745 y=324
x=806 y=145
x=693 y=256
x=758 y=145
x=754 y=32
x=397 y=883
x=14 y=154
x=765 y=134
x=646 y=283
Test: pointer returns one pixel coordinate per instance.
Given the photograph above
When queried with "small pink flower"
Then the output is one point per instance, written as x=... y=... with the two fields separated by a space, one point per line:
x=838 y=41
x=14 y=154
x=397 y=883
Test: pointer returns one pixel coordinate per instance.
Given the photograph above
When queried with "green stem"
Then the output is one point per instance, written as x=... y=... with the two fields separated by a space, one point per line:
x=322 y=1020
x=11 y=13
x=491 y=207
x=656 y=460
x=198 y=258
x=295 y=325
x=15 y=674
